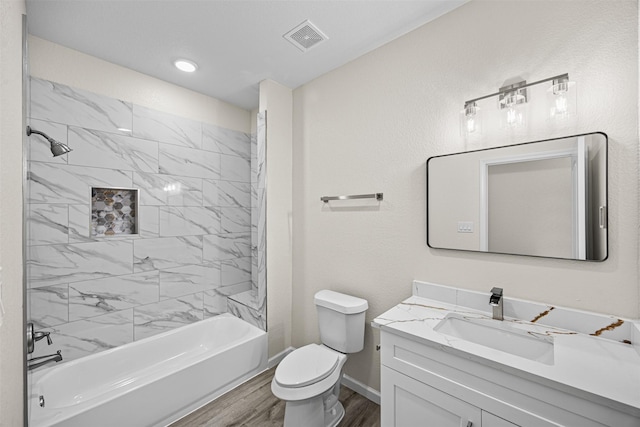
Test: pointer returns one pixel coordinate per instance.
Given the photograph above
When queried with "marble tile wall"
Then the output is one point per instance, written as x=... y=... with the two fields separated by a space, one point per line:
x=198 y=222
x=251 y=305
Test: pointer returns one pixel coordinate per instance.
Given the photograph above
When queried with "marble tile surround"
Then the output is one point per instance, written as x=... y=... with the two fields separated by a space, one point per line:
x=201 y=191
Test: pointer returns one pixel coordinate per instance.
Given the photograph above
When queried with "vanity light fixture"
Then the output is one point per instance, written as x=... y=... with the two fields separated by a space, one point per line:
x=185 y=65
x=512 y=100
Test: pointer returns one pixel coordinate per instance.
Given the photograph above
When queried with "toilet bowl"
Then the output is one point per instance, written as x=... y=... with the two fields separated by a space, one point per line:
x=308 y=379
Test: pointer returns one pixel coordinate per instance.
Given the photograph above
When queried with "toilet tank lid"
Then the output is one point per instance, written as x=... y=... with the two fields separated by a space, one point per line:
x=341 y=303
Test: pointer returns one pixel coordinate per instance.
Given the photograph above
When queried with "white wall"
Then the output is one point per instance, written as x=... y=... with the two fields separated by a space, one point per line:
x=277 y=101
x=370 y=125
x=11 y=134
x=51 y=61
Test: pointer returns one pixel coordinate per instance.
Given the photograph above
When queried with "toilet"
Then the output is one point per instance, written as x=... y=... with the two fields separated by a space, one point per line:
x=308 y=378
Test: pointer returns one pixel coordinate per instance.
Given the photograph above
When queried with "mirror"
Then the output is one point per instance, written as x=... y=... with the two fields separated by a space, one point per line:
x=544 y=198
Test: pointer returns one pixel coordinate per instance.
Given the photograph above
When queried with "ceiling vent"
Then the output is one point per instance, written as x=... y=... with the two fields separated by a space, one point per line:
x=305 y=36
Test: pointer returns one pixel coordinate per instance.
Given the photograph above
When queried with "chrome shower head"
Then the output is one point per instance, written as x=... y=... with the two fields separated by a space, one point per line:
x=57 y=147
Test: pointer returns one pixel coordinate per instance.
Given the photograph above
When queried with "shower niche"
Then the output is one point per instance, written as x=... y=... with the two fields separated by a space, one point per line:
x=113 y=212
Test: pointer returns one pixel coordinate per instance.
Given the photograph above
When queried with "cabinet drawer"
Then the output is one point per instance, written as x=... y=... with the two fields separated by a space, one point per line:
x=406 y=402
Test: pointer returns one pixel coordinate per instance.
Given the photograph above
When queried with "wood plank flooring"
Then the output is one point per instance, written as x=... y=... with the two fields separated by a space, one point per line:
x=253 y=405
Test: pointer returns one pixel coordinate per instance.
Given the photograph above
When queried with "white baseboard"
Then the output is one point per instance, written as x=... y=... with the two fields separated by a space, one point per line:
x=362 y=389
x=273 y=361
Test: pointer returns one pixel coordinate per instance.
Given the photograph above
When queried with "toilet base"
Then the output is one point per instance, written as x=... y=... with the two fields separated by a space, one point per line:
x=333 y=419
x=321 y=411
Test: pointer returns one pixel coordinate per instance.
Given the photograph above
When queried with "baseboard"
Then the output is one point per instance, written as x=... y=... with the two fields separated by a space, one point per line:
x=362 y=389
x=273 y=361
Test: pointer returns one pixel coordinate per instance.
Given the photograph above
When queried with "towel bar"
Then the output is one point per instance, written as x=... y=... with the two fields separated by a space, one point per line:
x=377 y=196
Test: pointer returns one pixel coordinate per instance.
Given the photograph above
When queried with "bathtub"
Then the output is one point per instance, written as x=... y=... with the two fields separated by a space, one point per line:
x=151 y=382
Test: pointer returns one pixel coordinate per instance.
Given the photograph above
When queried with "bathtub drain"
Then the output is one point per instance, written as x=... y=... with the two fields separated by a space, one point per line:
x=41 y=400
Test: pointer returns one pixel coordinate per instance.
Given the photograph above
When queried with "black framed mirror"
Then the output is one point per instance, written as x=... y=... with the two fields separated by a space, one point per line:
x=544 y=198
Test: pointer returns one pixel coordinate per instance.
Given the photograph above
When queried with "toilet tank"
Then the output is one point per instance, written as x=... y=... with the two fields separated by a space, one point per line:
x=341 y=320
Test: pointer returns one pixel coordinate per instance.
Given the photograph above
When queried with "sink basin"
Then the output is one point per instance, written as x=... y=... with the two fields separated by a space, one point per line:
x=498 y=335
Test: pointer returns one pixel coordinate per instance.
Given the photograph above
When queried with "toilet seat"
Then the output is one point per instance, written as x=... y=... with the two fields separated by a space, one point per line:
x=307 y=365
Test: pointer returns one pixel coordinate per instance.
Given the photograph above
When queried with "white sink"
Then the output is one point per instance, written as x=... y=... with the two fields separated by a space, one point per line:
x=499 y=335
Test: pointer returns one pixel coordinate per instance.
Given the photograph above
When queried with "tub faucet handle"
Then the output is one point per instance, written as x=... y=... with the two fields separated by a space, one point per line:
x=37 y=336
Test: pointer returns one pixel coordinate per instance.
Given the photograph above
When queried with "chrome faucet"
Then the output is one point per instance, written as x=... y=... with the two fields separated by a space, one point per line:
x=33 y=337
x=495 y=300
x=57 y=357
x=37 y=336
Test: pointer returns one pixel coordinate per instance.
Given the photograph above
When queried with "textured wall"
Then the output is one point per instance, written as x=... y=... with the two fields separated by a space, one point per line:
x=11 y=134
x=193 y=248
x=371 y=125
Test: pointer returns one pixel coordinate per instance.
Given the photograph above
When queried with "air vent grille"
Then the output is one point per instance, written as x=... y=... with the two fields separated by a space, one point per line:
x=305 y=36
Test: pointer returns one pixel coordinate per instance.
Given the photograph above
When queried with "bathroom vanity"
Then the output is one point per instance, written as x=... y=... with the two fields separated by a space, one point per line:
x=447 y=362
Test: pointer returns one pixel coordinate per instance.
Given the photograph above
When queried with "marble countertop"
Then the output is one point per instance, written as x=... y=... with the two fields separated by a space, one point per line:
x=592 y=353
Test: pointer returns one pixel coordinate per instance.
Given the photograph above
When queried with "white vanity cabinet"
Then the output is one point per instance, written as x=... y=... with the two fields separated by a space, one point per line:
x=432 y=386
x=407 y=402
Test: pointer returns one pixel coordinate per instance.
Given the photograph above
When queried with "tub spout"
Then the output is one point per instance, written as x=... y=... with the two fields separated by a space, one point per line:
x=36 y=362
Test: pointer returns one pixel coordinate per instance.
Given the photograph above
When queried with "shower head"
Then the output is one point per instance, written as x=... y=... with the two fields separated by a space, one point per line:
x=57 y=147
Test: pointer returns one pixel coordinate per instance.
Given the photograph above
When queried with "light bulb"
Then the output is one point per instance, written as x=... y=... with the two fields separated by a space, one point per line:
x=471 y=124
x=514 y=117
x=561 y=106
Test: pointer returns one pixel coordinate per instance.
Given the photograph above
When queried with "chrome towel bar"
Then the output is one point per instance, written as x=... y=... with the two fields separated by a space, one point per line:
x=377 y=196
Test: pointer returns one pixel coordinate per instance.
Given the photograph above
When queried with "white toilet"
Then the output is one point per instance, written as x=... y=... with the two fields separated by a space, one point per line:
x=308 y=379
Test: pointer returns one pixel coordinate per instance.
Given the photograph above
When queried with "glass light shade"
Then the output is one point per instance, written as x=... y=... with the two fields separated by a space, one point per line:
x=470 y=120
x=562 y=99
x=512 y=109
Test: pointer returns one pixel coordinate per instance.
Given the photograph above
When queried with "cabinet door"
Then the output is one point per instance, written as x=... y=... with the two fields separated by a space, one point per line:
x=490 y=420
x=409 y=403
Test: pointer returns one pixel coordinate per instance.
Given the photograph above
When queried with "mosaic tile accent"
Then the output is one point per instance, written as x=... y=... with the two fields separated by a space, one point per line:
x=113 y=212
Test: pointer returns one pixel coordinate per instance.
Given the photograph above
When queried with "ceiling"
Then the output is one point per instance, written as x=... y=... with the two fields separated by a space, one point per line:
x=236 y=43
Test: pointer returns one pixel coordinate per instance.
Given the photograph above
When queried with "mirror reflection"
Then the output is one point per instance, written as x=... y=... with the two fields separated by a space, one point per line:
x=545 y=198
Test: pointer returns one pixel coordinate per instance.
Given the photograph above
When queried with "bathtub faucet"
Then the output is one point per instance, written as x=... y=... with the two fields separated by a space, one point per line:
x=33 y=337
x=57 y=357
x=37 y=336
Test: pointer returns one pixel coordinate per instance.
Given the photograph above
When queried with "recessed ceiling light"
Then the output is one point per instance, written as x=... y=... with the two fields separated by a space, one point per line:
x=185 y=65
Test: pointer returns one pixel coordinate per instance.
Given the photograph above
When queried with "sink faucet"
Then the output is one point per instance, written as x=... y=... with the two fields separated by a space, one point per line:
x=57 y=357
x=496 y=302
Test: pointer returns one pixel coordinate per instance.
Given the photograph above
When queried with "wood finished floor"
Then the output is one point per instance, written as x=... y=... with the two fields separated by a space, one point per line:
x=253 y=405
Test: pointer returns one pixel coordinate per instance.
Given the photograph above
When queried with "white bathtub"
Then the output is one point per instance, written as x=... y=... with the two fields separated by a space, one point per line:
x=151 y=382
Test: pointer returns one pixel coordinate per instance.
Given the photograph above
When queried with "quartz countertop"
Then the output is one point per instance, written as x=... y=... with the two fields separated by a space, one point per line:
x=594 y=354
